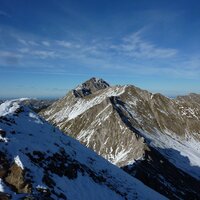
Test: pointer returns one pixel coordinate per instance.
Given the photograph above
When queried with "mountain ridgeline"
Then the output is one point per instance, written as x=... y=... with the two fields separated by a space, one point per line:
x=152 y=137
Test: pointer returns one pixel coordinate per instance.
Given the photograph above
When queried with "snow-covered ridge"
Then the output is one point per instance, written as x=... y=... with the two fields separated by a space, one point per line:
x=81 y=105
x=39 y=147
x=18 y=162
x=8 y=107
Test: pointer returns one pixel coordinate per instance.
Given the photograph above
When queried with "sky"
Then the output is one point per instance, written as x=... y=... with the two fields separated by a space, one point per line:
x=48 y=47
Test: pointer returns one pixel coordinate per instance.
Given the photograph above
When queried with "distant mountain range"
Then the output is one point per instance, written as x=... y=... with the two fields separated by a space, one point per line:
x=154 y=138
x=36 y=104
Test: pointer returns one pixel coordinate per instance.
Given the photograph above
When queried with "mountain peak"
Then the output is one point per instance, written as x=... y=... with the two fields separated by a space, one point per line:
x=90 y=86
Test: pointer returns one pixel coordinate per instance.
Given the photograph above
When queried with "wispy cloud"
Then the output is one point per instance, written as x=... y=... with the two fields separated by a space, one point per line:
x=64 y=43
x=9 y=58
x=135 y=46
x=46 y=43
x=10 y=54
x=44 y=54
x=24 y=50
x=3 y=13
x=131 y=54
x=33 y=43
x=22 y=41
x=192 y=63
x=27 y=42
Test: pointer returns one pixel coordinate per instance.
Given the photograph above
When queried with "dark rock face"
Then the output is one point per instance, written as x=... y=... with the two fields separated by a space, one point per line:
x=158 y=173
x=90 y=87
x=5 y=196
x=2 y=133
x=59 y=163
x=13 y=175
x=124 y=124
x=4 y=165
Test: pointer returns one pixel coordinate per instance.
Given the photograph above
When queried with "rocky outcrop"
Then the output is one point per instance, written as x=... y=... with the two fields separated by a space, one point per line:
x=13 y=175
x=89 y=87
x=5 y=196
x=16 y=179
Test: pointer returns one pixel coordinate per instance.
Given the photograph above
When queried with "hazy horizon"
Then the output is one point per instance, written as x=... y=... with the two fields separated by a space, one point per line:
x=51 y=97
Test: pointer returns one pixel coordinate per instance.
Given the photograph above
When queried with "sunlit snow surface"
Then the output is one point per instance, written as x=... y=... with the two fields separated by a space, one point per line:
x=34 y=134
x=183 y=153
x=18 y=162
x=1 y=186
x=71 y=112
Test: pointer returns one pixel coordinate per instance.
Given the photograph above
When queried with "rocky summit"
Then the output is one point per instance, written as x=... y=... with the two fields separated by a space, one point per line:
x=38 y=162
x=154 y=138
x=89 y=87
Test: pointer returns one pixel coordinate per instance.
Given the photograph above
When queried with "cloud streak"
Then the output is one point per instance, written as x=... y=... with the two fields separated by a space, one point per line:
x=44 y=54
x=4 y=14
x=46 y=43
x=9 y=58
x=64 y=43
x=134 y=46
x=130 y=54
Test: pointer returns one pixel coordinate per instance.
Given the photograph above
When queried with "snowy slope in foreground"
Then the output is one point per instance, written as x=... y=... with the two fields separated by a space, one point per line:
x=38 y=160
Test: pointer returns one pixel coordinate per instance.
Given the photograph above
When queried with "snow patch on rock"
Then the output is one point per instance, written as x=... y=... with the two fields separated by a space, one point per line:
x=18 y=162
x=1 y=186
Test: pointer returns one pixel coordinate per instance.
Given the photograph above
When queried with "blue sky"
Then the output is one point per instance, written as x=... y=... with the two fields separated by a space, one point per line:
x=48 y=46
